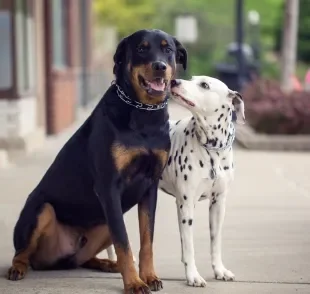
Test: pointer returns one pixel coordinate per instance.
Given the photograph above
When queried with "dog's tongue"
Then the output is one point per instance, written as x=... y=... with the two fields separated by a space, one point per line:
x=157 y=85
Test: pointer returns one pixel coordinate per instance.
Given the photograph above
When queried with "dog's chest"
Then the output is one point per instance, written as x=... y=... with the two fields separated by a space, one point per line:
x=212 y=175
x=192 y=167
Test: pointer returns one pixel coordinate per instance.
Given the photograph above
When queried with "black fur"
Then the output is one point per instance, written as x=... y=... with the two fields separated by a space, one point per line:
x=83 y=184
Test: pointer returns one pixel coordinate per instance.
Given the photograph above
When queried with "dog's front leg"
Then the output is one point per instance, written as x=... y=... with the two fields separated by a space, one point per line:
x=112 y=255
x=110 y=197
x=216 y=220
x=146 y=210
x=185 y=208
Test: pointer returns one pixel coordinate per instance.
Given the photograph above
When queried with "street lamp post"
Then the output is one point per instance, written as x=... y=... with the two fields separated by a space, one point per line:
x=186 y=32
x=239 y=41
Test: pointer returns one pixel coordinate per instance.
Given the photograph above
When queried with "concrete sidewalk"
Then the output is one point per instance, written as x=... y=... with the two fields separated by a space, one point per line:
x=266 y=238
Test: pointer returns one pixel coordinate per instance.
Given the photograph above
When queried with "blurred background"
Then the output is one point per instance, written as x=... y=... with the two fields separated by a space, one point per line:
x=56 y=58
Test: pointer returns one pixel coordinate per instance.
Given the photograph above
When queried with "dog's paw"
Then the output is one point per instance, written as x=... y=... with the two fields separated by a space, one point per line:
x=194 y=279
x=221 y=273
x=152 y=281
x=16 y=272
x=108 y=266
x=137 y=287
x=155 y=284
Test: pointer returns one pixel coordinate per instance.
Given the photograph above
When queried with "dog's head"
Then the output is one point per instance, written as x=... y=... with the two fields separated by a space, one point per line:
x=206 y=96
x=146 y=61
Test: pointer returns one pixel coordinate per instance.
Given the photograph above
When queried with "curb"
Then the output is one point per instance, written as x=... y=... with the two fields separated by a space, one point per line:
x=249 y=139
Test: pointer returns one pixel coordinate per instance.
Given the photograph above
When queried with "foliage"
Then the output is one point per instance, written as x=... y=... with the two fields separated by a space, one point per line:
x=216 y=25
x=270 y=110
x=269 y=11
x=127 y=15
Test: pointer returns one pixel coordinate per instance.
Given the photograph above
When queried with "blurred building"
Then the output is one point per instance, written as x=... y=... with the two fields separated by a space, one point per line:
x=46 y=68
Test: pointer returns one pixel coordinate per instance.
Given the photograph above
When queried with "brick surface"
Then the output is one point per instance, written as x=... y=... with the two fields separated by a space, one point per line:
x=61 y=107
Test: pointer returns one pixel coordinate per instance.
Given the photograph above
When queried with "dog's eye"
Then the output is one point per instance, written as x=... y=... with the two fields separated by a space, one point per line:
x=204 y=85
x=167 y=50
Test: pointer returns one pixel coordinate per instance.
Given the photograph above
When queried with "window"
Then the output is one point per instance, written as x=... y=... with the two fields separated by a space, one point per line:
x=25 y=45
x=59 y=33
x=6 y=72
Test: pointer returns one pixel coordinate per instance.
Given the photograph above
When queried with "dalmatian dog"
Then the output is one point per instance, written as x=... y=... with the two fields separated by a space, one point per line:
x=200 y=164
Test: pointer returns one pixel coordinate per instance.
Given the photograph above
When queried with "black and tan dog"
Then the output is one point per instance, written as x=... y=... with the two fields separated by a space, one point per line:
x=113 y=162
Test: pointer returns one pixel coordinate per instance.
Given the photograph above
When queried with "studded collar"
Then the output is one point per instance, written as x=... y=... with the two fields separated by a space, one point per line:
x=139 y=105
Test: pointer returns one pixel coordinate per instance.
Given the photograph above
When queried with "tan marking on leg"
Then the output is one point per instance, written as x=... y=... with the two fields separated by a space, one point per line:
x=46 y=222
x=146 y=263
x=104 y=265
x=131 y=280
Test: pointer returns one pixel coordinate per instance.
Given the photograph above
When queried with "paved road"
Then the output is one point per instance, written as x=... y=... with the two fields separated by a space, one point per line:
x=266 y=232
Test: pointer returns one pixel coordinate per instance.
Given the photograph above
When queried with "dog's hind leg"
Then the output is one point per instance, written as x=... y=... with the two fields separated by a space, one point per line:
x=216 y=220
x=98 y=238
x=35 y=220
x=185 y=207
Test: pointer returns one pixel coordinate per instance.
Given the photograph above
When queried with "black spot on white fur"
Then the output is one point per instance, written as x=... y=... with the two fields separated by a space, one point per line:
x=190 y=222
x=185 y=197
x=211 y=161
x=176 y=155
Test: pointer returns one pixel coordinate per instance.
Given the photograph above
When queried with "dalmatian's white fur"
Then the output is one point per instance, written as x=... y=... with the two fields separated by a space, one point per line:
x=200 y=165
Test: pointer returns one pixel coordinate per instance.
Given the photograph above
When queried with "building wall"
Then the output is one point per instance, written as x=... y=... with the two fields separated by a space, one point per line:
x=43 y=73
x=40 y=65
x=64 y=74
x=19 y=128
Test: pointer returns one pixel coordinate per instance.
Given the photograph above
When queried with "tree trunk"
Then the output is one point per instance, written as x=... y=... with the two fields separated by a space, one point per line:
x=289 y=44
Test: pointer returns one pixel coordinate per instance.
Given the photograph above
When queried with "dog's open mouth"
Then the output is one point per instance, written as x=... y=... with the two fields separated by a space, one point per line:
x=180 y=97
x=156 y=86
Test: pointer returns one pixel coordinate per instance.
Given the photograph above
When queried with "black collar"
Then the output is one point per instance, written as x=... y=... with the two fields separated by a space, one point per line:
x=136 y=104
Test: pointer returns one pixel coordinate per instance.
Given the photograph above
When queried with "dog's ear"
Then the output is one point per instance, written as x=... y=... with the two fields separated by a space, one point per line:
x=181 y=56
x=120 y=56
x=238 y=104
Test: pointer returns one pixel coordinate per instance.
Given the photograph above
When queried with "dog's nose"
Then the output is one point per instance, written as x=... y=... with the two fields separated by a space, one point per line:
x=159 y=66
x=175 y=83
